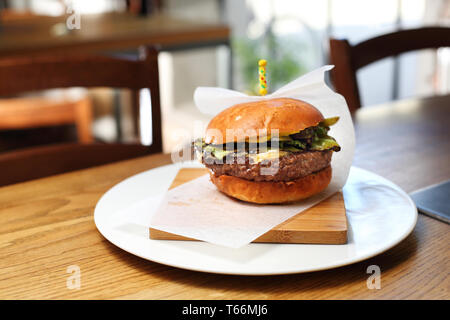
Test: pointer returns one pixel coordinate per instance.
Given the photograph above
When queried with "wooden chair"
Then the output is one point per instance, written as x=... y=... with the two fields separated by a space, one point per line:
x=35 y=112
x=62 y=71
x=348 y=59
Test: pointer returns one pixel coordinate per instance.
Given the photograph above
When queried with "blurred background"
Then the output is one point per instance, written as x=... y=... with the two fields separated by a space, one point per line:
x=291 y=34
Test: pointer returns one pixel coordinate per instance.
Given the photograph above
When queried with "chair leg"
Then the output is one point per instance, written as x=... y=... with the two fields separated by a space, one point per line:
x=83 y=120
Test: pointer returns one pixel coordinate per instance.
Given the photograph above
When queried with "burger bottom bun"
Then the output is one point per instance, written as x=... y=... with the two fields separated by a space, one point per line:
x=273 y=192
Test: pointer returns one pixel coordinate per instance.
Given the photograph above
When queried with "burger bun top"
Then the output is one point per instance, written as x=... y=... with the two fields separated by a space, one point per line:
x=286 y=115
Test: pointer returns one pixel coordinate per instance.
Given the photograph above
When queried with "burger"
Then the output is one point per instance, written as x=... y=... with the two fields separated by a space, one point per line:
x=269 y=151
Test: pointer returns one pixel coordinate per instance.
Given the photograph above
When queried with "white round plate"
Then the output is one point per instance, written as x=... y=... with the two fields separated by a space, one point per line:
x=380 y=215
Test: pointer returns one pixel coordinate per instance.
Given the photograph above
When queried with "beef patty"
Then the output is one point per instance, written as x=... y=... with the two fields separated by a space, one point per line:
x=290 y=167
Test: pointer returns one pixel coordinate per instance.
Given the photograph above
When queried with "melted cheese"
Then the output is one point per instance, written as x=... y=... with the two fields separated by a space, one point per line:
x=269 y=155
x=267 y=138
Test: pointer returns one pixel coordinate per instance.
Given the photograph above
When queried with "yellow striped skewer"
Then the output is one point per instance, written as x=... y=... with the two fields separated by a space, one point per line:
x=262 y=77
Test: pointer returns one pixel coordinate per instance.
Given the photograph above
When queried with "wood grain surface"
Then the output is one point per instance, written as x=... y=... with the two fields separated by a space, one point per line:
x=47 y=225
x=324 y=223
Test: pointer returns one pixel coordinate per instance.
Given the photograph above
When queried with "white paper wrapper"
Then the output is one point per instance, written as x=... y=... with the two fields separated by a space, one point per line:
x=197 y=210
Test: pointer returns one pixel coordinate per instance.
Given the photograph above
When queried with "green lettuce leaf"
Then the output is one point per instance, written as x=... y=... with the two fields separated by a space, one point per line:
x=312 y=138
x=216 y=152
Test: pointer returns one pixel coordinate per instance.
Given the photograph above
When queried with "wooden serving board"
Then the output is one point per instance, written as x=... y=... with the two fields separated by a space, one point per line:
x=325 y=223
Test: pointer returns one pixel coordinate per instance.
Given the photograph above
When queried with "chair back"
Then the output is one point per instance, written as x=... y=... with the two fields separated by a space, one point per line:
x=349 y=58
x=22 y=74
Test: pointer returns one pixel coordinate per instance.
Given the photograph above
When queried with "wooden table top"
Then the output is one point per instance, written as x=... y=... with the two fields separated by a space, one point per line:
x=47 y=225
x=108 y=31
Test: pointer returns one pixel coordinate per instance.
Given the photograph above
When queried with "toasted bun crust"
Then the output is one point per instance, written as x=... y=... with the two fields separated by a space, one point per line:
x=273 y=192
x=284 y=114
